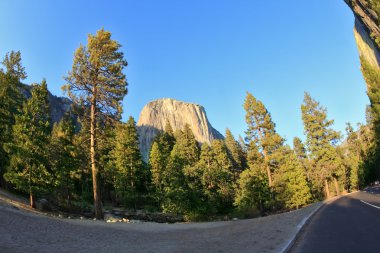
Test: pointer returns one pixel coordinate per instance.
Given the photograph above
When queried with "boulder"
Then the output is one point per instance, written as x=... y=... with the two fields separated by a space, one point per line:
x=43 y=205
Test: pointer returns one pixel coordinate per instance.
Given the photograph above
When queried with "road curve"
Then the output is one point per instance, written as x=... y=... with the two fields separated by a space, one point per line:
x=348 y=224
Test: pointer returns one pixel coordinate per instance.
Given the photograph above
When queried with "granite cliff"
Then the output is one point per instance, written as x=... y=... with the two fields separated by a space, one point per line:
x=154 y=115
x=367 y=29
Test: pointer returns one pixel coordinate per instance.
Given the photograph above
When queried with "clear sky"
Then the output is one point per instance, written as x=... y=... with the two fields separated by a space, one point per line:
x=206 y=52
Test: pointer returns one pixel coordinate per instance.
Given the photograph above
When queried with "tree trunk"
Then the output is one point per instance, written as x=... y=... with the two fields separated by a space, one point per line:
x=269 y=176
x=31 y=198
x=327 y=189
x=97 y=202
x=336 y=187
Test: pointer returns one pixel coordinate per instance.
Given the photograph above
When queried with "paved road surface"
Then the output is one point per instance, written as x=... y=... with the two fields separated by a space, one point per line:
x=349 y=224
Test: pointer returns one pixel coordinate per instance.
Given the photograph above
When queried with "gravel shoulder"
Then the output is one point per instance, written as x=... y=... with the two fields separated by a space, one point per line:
x=25 y=231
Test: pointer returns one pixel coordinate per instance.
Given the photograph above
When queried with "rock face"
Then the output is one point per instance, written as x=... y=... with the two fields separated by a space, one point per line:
x=154 y=115
x=58 y=105
x=367 y=30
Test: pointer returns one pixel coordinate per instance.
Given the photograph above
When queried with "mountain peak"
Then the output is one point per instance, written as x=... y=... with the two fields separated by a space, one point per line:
x=155 y=114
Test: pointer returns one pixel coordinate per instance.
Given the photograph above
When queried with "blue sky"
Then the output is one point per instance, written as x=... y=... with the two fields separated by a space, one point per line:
x=206 y=52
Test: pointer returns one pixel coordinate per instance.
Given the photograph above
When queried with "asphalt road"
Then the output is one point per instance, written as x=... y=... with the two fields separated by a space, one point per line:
x=348 y=224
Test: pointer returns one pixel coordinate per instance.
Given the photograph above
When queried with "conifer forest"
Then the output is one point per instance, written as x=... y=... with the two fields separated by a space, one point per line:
x=90 y=159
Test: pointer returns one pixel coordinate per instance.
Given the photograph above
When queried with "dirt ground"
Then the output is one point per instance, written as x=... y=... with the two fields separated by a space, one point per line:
x=23 y=231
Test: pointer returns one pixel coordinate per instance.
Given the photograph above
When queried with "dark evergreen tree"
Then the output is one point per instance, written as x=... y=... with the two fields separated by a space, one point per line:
x=290 y=181
x=28 y=170
x=11 y=101
x=235 y=153
x=64 y=160
x=130 y=179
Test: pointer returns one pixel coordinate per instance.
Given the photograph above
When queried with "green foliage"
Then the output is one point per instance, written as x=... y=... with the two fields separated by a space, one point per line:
x=11 y=101
x=159 y=158
x=215 y=172
x=97 y=81
x=235 y=153
x=186 y=147
x=175 y=188
x=28 y=170
x=261 y=132
x=321 y=140
x=372 y=160
x=253 y=191
x=129 y=175
x=176 y=191
x=290 y=181
x=13 y=65
x=64 y=160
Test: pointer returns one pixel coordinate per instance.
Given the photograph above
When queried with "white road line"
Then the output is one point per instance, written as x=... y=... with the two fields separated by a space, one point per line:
x=370 y=204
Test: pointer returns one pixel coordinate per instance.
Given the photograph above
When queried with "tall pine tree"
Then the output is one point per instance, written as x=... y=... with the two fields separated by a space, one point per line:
x=321 y=142
x=261 y=131
x=97 y=81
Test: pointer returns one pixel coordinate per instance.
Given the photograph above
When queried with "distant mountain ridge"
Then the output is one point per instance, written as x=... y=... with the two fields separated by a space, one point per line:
x=58 y=105
x=155 y=114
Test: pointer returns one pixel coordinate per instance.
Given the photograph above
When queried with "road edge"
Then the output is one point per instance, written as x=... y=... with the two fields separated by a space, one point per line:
x=307 y=219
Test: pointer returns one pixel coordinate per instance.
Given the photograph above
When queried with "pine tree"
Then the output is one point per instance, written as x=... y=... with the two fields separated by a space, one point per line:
x=236 y=154
x=130 y=177
x=157 y=166
x=321 y=140
x=13 y=65
x=253 y=192
x=290 y=181
x=64 y=159
x=98 y=82
x=371 y=76
x=185 y=155
x=11 y=101
x=28 y=170
x=220 y=177
x=186 y=147
x=175 y=189
x=261 y=131
x=301 y=153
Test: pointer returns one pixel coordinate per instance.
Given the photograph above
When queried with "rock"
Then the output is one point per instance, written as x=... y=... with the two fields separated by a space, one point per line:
x=108 y=217
x=154 y=115
x=43 y=205
x=58 y=105
x=367 y=31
